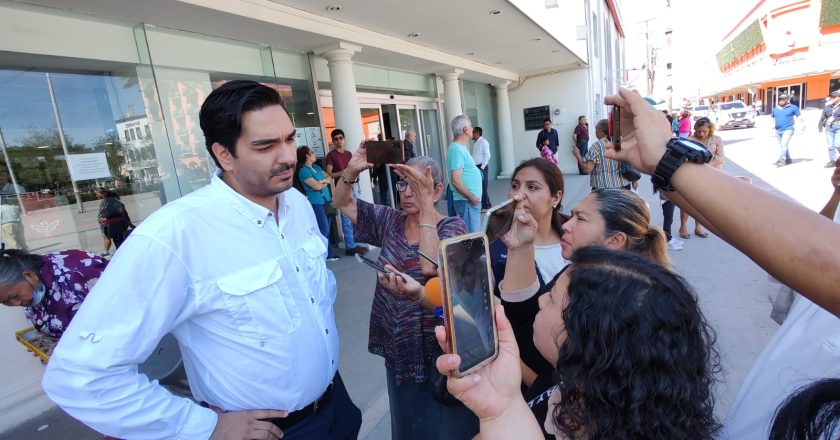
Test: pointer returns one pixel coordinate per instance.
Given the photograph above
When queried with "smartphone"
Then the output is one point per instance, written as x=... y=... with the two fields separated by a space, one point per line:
x=615 y=127
x=499 y=220
x=385 y=152
x=468 y=300
x=375 y=265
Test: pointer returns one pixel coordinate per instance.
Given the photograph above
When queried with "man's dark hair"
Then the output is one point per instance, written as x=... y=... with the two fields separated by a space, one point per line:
x=810 y=413
x=547 y=120
x=581 y=117
x=221 y=114
x=337 y=132
x=478 y=130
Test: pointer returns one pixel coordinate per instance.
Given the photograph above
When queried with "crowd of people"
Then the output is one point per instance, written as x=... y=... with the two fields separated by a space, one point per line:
x=598 y=337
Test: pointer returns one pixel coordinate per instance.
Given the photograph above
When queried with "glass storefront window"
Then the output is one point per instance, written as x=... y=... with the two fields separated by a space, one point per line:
x=65 y=135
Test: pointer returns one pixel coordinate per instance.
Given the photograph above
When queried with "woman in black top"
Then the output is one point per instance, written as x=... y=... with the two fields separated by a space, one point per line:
x=113 y=220
x=614 y=218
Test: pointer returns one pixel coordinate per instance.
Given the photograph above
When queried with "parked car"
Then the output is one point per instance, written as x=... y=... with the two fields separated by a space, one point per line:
x=733 y=114
x=699 y=111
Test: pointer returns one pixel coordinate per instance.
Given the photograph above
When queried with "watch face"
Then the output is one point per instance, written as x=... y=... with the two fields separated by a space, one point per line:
x=692 y=145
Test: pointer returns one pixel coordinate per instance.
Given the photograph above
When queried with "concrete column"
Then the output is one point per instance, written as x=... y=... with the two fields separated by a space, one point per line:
x=345 y=102
x=452 y=96
x=503 y=123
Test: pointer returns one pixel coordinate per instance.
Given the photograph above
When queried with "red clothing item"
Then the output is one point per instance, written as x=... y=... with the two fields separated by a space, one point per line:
x=582 y=132
x=338 y=160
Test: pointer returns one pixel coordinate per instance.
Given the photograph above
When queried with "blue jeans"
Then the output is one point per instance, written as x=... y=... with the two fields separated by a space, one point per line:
x=783 y=136
x=347 y=225
x=832 y=139
x=471 y=215
x=323 y=225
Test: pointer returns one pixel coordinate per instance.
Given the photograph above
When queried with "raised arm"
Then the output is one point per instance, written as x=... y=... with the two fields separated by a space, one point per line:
x=343 y=194
x=754 y=221
x=830 y=207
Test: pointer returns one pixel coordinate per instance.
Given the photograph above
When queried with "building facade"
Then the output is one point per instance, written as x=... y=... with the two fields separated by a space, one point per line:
x=107 y=94
x=780 y=47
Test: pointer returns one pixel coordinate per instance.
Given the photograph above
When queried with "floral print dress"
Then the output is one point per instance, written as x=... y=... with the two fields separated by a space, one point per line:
x=68 y=276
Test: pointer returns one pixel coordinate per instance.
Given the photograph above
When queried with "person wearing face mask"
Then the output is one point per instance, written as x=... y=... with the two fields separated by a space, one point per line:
x=51 y=287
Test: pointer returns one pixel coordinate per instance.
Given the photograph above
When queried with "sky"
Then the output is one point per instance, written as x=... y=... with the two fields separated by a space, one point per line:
x=697 y=29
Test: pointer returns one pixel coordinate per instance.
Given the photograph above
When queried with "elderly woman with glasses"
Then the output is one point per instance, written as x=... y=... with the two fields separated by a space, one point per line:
x=51 y=287
x=402 y=325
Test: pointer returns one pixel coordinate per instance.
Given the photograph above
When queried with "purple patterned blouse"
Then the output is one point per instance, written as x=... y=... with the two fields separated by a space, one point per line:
x=69 y=276
x=401 y=331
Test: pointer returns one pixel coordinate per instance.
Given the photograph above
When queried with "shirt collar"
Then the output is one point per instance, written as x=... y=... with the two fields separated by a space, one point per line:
x=256 y=214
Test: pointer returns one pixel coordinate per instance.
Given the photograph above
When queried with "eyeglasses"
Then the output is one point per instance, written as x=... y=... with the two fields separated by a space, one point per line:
x=401 y=185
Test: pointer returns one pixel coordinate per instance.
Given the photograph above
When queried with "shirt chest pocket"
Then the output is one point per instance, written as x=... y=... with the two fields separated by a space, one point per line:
x=259 y=301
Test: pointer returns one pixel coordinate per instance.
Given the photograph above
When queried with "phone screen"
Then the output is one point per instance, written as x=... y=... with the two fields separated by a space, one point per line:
x=382 y=152
x=375 y=265
x=499 y=220
x=469 y=300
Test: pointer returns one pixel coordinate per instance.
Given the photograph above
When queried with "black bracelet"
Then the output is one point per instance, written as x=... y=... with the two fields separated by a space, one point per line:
x=350 y=182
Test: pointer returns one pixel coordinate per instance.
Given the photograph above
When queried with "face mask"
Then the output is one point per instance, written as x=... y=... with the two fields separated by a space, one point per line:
x=38 y=295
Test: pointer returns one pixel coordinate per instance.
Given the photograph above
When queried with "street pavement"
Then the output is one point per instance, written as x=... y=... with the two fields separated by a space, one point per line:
x=735 y=294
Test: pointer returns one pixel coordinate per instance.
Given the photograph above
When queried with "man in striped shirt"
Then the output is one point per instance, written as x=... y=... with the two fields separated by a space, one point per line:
x=603 y=172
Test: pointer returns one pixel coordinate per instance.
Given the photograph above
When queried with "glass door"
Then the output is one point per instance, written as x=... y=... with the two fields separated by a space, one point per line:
x=431 y=138
x=407 y=115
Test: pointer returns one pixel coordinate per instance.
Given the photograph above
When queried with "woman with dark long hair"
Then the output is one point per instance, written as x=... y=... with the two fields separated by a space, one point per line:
x=311 y=180
x=634 y=358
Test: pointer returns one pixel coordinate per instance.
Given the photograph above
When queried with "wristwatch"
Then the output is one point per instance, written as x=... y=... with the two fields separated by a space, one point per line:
x=677 y=152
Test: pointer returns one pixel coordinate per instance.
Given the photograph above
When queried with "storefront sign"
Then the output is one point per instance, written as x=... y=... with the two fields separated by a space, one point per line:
x=535 y=116
x=88 y=166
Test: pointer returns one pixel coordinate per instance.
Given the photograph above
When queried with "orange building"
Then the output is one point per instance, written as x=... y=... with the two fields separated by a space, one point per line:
x=780 y=47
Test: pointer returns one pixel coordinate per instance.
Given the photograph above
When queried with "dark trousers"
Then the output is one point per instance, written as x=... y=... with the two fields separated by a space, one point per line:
x=668 y=218
x=485 y=197
x=582 y=146
x=339 y=419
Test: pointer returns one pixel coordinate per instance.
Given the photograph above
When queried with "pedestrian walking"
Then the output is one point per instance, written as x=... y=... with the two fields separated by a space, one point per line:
x=784 y=116
x=830 y=122
x=580 y=137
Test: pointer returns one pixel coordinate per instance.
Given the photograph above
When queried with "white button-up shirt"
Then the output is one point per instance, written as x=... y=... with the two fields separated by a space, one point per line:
x=249 y=300
x=481 y=152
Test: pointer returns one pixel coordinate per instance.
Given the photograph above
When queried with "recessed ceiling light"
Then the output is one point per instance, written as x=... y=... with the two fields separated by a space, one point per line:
x=556 y=50
x=470 y=53
x=495 y=12
x=334 y=8
x=413 y=35
x=536 y=39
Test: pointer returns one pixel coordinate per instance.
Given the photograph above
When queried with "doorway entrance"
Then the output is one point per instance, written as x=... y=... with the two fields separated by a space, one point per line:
x=390 y=117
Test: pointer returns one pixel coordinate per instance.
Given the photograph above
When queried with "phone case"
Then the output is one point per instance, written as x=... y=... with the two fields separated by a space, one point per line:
x=447 y=298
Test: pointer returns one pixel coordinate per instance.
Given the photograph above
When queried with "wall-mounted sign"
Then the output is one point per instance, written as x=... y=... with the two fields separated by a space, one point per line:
x=88 y=166
x=534 y=117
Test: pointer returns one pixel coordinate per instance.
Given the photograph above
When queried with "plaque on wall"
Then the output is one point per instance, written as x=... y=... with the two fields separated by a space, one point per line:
x=534 y=117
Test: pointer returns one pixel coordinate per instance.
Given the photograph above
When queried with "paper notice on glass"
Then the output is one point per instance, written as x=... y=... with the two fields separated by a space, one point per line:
x=88 y=166
x=315 y=140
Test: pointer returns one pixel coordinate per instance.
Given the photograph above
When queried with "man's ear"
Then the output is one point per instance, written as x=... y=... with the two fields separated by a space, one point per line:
x=223 y=155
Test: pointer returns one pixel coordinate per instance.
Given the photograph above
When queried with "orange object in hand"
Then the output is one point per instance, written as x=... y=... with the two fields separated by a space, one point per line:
x=432 y=291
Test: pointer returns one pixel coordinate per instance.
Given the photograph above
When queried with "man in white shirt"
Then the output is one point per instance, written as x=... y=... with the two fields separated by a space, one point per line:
x=236 y=272
x=481 y=156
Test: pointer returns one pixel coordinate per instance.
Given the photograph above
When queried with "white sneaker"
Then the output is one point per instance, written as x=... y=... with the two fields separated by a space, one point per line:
x=675 y=245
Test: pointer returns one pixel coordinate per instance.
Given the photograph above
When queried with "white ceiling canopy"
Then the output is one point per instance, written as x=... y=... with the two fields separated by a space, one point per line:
x=491 y=40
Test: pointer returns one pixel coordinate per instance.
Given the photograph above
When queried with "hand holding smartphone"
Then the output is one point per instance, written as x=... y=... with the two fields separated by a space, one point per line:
x=468 y=301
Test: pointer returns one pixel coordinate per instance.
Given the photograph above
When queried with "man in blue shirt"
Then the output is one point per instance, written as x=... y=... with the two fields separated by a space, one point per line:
x=465 y=177
x=784 y=115
x=550 y=134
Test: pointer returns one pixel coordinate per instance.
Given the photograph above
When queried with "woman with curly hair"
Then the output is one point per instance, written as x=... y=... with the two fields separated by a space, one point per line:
x=634 y=358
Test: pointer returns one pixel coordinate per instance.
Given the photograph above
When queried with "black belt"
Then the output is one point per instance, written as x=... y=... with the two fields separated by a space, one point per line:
x=295 y=417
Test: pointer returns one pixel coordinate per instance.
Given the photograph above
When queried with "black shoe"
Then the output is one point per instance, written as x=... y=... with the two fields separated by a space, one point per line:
x=360 y=250
x=788 y=161
x=830 y=164
x=350 y=252
x=780 y=163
